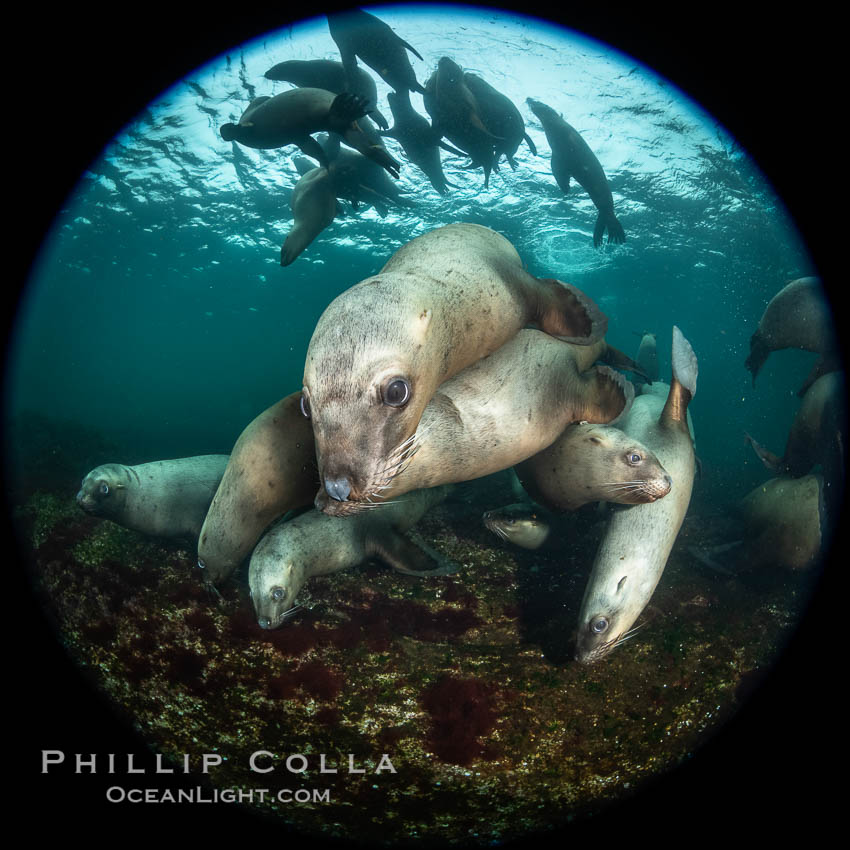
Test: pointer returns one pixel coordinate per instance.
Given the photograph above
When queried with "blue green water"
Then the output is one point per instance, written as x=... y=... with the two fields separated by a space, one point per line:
x=159 y=315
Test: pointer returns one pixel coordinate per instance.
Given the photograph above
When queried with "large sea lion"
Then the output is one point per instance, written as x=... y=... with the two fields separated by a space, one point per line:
x=381 y=348
x=798 y=316
x=456 y=114
x=572 y=157
x=271 y=471
x=638 y=539
x=784 y=523
x=313 y=544
x=359 y=34
x=594 y=463
x=314 y=207
x=418 y=139
x=164 y=498
x=290 y=117
x=330 y=76
x=501 y=117
x=497 y=412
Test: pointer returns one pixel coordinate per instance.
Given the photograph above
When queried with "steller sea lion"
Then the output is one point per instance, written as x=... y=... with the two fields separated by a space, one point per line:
x=501 y=117
x=418 y=139
x=330 y=76
x=271 y=471
x=593 y=463
x=497 y=412
x=456 y=114
x=311 y=544
x=290 y=117
x=784 y=521
x=798 y=316
x=359 y=34
x=314 y=207
x=381 y=348
x=638 y=538
x=572 y=157
x=164 y=498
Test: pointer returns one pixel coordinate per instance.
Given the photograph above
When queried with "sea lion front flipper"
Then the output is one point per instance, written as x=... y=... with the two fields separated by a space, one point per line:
x=313 y=149
x=345 y=109
x=568 y=314
x=447 y=147
x=379 y=119
x=410 y=556
x=616 y=358
x=606 y=396
x=412 y=49
x=531 y=146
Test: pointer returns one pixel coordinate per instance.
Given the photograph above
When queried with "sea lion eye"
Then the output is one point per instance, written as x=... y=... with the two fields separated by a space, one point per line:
x=277 y=594
x=599 y=625
x=397 y=392
x=305 y=406
x=104 y=489
x=634 y=458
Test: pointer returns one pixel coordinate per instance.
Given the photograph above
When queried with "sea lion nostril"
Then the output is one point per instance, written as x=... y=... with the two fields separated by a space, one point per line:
x=338 y=488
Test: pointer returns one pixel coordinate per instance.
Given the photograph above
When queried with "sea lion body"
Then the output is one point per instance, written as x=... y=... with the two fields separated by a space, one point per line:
x=784 y=521
x=316 y=544
x=380 y=349
x=314 y=207
x=164 y=498
x=417 y=138
x=572 y=157
x=594 y=463
x=289 y=118
x=638 y=539
x=798 y=316
x=330 y=76
x=359 y=34
x=501 y=117
x=271 y=471
x=647 y=356
x=456 y=114
x=501 y=410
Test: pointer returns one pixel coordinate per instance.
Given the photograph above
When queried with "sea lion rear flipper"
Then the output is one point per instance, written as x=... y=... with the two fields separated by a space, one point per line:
x=683 y=384
x=615 y=230
x=410 y=556
x=768 y=458
x=447 y=147
x=567 y=313
x=759 y=352
x=599 y=230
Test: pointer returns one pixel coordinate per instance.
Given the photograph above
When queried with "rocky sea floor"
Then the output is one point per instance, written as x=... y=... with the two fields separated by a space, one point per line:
x=466 y=681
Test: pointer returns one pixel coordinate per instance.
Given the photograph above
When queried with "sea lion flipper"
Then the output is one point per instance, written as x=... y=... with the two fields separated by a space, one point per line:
x=568 y=314
x=412 y=49
x=345 y=109
x=410 y=555
x=313 y=149
x=768 y=458
x=608 y=396
x=683 y=385
x=616 y=358
x=447 y=147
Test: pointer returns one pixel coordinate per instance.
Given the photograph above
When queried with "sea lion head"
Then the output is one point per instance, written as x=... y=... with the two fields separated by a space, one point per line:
x=229 y=132
x=608 y=611
x=365 y=394
x=102 y=492
x=543 y=112
x=518 y=524
x=274 y=579
x=449 y=72
x=619 y=468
